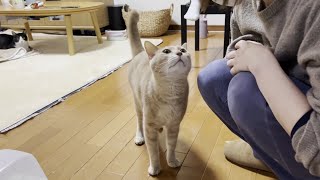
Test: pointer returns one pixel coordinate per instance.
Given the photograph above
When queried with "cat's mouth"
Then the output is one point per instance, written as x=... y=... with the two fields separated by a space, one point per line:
x=180 y=60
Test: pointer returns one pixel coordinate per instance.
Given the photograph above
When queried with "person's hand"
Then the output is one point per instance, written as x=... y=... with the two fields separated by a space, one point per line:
x=248 y=56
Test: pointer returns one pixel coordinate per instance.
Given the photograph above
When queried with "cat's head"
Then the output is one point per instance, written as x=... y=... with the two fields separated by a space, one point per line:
x=170 y=61
x=19 y=36
x=21 y=40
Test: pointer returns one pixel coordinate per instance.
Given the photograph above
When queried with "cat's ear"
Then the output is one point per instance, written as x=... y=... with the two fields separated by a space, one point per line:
x=13 y=33
x=150 y=49
x=184 y=45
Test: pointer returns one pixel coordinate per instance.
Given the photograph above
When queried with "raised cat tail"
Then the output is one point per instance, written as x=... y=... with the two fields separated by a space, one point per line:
x=133 y=33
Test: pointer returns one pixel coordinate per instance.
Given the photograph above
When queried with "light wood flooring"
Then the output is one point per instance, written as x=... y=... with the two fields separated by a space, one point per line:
x=90 y=135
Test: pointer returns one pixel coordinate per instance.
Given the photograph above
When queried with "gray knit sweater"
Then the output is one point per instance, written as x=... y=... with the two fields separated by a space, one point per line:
x=293 y=33
x=246 y=25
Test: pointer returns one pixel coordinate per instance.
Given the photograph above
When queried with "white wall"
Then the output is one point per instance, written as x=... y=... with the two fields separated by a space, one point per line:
x=163 y=4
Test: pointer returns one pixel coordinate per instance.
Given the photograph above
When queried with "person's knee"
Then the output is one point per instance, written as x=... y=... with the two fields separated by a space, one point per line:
x=244 y=98
x=213 y=76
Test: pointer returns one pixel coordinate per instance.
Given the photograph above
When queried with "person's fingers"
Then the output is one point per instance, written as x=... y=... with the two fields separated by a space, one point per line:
x=240 y=44
x=231 y=62
x=231 y=55
x=233 y=71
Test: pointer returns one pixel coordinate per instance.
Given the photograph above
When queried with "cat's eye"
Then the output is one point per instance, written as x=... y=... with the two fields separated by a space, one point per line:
x=183 y=50
x=167 y=51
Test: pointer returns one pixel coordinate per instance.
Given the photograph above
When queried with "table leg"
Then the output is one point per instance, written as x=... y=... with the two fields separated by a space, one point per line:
x=226 y=32
x=183 y=24
x=196 y=36
x=69 y=34
x=96 y=26
x=28 y=31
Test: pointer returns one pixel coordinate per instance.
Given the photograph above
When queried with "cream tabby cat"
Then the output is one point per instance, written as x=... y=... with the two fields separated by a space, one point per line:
x=158 y=79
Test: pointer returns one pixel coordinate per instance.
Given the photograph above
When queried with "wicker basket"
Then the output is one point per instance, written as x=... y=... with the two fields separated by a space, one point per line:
x=151 y=23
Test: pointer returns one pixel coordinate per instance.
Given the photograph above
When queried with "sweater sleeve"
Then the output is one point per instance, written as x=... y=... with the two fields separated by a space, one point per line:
x=235 y=32
x=306 y=141
x=237 y=36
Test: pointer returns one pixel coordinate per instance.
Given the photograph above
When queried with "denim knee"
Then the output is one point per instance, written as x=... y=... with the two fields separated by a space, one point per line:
x=213 y=83
x=245 y=100
x=213 y=80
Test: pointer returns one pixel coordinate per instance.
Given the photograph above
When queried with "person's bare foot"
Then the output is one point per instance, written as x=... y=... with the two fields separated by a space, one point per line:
x=239 y=152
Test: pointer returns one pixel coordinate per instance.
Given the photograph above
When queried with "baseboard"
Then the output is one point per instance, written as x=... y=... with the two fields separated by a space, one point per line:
x=191 y=27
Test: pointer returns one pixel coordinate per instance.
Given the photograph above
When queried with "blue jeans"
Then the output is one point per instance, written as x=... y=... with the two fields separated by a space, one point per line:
x=238 y=102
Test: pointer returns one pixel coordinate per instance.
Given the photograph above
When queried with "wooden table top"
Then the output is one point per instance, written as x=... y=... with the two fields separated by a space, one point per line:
x=53 y=8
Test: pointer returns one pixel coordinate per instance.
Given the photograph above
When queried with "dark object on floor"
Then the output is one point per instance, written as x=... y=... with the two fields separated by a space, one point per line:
x=3 y=29
x=115 y=17
x=88 y=32
x=212 y=9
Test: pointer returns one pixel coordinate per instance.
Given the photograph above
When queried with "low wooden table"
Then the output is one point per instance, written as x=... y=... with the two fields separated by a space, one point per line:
x=56 y=8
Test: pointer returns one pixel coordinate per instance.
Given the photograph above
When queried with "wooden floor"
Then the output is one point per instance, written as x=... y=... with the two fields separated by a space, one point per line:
x=90 y=135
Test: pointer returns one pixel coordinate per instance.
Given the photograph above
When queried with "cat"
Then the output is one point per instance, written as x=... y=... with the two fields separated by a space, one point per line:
x=15 y=40
x=158 y=79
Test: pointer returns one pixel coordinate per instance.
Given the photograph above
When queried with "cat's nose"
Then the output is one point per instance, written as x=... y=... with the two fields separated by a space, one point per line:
x=179 y=53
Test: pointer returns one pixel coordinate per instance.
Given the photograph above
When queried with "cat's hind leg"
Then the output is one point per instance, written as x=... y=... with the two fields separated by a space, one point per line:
x=139 y=139
x=172 y=137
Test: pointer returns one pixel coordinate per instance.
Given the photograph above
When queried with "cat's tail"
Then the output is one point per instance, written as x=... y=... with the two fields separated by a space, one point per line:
x=133 y=32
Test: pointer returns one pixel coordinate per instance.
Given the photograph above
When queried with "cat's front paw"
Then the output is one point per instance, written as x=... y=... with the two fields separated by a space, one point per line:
x=139 y=141
x=174 y=163
x=154 y=171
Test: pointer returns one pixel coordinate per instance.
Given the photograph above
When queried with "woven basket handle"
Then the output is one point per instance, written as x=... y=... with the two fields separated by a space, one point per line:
x=171 y=9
